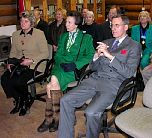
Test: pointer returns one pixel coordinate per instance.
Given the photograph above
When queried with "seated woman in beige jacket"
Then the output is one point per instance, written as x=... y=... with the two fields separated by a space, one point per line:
x=29 y=44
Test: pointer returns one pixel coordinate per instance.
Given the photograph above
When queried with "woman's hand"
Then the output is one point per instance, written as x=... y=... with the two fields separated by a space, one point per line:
x=27 y=62
x=55 y=48
x=9 y=67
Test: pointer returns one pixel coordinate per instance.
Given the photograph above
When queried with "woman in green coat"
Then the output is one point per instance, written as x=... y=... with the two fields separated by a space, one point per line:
x=75 y=49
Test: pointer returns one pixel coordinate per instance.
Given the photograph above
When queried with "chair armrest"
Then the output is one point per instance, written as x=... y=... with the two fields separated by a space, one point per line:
x=87 y=73
x=127 y=87
x=41 y=76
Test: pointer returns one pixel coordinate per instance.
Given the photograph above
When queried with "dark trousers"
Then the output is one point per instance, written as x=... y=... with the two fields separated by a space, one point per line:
x=16 y=86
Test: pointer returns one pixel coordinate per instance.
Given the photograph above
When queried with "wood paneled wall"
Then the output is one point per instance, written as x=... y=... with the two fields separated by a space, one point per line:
x=8 y=12
x=132 y=7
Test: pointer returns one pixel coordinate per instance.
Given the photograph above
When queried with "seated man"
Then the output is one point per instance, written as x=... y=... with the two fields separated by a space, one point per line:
x=111 y=64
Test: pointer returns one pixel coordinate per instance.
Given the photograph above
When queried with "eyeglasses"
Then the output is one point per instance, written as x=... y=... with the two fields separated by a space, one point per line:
x=116 y=25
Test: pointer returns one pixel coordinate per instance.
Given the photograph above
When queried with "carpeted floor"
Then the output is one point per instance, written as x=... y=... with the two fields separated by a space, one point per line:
x=14 y=126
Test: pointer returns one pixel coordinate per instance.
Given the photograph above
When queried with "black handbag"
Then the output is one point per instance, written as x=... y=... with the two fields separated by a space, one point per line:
x=79 y=72
x=16 y=68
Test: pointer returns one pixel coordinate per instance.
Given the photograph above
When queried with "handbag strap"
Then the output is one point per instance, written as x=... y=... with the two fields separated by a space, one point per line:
x=80 y=46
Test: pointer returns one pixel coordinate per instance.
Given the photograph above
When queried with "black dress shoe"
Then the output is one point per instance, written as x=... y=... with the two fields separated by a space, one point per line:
x=16 y=108
x=54 y=127
x=23 y=109
x=45 y=126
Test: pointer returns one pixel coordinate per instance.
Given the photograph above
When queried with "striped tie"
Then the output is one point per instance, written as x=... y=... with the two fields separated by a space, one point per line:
x=115 y=45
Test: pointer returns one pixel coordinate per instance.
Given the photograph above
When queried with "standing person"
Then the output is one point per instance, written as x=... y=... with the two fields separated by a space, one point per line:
x=115 y=60
x=31 y=44
x=40 y=23
x=91 y=27
x=105 y=31
x=75 y=50
x=56 y=28
x=84 y=13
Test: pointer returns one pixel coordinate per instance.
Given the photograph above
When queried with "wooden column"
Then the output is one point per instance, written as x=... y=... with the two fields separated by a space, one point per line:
x=103 y=8
x=151 y=8
x=73 y=5
x=45 y=10
x=59 y=3
x=95 y=8
x=85 y=4
x=27 y=5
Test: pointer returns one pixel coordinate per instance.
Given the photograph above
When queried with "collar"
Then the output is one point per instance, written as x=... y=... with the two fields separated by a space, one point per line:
x=30 y=32
x=37 y=21
x=121 y=39
x=147 y=26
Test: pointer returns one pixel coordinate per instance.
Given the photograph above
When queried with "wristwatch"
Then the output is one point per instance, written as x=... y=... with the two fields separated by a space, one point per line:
x=33 y=61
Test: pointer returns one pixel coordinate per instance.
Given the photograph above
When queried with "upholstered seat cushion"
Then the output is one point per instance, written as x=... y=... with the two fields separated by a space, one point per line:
x=136 y=122
x=147 y=94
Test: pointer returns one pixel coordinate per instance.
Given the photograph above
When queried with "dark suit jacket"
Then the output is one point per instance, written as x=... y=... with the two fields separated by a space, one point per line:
x=123 y=66
x=43 y=26
x=93 y=30
x=55 y=32
x=105 y=31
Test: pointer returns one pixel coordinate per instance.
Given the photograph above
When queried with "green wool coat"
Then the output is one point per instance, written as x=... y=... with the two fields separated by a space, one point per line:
x=63 y=56
x=135 y=35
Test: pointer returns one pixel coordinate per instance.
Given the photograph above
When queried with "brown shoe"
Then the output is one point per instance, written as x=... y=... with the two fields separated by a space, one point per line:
x=45 y=126
x=54 y=126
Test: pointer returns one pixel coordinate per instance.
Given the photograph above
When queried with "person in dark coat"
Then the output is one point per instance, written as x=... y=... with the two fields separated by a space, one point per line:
x=40 y=23
x=57 y=27
x=91 y=27
x=105 y=27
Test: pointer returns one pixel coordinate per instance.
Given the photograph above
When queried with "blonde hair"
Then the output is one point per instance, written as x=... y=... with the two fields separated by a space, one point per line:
x=146 y=14
x=63 y=11
x=90 y=13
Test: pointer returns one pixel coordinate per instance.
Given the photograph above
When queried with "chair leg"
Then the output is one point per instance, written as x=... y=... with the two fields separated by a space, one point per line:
x=33 y=90
x=104 y=128
x=36 y=96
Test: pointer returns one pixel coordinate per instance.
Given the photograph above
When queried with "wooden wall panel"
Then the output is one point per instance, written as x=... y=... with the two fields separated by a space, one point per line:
x=5 y=2
x=131 y=7
x=135 y=7
x=6 y=10
x=131 y=2
x=8 y=20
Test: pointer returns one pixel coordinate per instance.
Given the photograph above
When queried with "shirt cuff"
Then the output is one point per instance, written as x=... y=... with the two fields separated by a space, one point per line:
x=112 y=59
x=95 y=57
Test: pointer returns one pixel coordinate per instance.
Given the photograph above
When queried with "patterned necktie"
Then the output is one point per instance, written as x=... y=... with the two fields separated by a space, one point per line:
x=115 y=45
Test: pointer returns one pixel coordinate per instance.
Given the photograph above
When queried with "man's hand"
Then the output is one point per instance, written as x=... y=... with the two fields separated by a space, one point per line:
x=102 y=50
